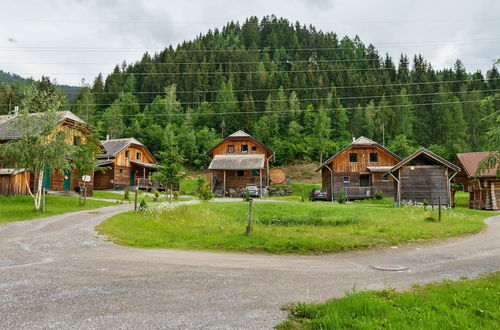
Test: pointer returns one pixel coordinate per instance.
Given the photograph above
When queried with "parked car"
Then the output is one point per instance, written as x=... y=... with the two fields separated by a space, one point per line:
x=252 y=189
x=318 y=195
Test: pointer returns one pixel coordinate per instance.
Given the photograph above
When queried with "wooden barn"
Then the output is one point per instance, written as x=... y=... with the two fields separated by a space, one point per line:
x=484 y=189
x=423 y=176
x=239 y=160
x=360 y=169
x=13 y=182
x=127 y=163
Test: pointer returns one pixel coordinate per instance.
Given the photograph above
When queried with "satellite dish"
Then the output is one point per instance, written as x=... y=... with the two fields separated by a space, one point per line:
x=86 y=178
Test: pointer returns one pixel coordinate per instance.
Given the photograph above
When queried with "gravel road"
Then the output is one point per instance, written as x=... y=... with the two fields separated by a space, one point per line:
x=58 y=273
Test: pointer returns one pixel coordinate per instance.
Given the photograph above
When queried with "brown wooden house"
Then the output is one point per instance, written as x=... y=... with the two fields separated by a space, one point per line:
x=127 y=162
x=13 y=182
x=239 y=160
x=360 y=169
x=423 y=176
x=484 y=189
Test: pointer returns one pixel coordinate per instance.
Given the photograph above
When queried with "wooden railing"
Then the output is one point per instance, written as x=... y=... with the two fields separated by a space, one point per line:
x=150 y=184
x=358 y=192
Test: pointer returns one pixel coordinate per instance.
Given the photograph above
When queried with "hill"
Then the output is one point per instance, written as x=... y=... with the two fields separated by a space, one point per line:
x=8 y=78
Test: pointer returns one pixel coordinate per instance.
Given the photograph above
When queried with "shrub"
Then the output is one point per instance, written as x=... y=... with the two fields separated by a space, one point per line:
x=143 y=206
x=176 y=195
x=126 y=195
x=247 y=195
x=379 y=194
x=205 y=193
x=157 y=193
x=341 y=198
x=425 y=203
x=430 y=218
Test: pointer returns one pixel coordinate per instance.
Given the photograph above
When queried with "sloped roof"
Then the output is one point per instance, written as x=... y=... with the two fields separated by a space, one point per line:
x=469 y=162
x=239 y=134
x=361 y=141
x=10 y=131
x=429 y=157
x=143 y=164
x=10 y=171
x=238 y=162
x=114 y=146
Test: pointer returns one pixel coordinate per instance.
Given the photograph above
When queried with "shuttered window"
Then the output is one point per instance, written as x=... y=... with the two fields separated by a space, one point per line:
x=353 y=157
x=373 y=157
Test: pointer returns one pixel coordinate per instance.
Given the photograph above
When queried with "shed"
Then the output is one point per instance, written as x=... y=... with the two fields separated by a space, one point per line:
x=423 y=176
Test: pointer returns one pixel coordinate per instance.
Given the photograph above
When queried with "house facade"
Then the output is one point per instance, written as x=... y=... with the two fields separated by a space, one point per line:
x=127 y=163
x=360 y=169
x=13 y=181
x=238 y=160
x=423 y=176
x=483 y=189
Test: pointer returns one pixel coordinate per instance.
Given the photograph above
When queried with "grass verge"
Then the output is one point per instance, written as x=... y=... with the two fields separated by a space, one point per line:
x=21 y=207
x=466 y=304
x=286 y=227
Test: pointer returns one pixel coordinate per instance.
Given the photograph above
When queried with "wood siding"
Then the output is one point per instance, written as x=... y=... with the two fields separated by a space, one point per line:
x=121 y=160
x=484 y=193
x=104 y=179
x=13 y=185
x=428 y=182
x=232 y=180
x=222 y=149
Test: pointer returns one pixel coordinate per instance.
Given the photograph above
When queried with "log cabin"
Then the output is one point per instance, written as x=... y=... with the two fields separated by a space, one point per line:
x=423 y=176
x=13 y=181
x=238 y=160
x=359 y=170
x=483 y=189
x=127 y=163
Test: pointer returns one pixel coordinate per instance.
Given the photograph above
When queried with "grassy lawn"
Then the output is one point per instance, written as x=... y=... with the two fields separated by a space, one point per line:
x=466 y=304
x=461 y=199
x=21 y=207
x=287 y=227
x=107 y=195
x=299 y=190
x=188 y=186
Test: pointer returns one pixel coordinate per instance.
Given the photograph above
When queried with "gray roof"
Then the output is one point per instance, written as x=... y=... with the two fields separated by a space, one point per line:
x=238 y=162
x=239 y=133
x=143 y=164
x=379 y=169
x=10 y=171
x=114 y=146
x=428 y=157
x=103 y=162
x=9 y=130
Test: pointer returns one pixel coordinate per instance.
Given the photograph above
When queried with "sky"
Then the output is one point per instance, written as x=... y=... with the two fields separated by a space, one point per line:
x=71 y=40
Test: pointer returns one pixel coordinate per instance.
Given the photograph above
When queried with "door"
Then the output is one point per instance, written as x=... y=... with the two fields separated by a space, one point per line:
x=132 y=178
x=46 y=178
x=67 y=180
x=364 y=181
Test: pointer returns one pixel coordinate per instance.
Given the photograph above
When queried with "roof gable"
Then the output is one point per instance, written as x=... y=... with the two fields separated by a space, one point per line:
x=424 y=157
x=236 y=135
x=470 y=161
x=114 y=146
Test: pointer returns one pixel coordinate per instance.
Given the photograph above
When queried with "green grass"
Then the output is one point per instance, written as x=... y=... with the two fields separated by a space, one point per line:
x=107 y=195
x=21 y=207
x=299 y=190
x=188 y=186
x=461 y=199
x=286 y=227
x=466 y=304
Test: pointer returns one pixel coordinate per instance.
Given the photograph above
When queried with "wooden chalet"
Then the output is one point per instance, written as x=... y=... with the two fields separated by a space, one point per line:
x=484 y=189
x=423 y=176
x=128 y=163
x=239 y=160
x=360 y=169
x=13 y=182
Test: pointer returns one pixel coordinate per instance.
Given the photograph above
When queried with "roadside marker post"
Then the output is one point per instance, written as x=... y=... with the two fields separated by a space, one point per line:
x=249 y=225
x=135 y=198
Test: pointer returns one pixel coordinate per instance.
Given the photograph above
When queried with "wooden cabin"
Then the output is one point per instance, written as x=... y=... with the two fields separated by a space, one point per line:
x=484 y=189
x=13 y=182
x=423 y=176
x=127 y=163
x=238 y=160
x=360 y=169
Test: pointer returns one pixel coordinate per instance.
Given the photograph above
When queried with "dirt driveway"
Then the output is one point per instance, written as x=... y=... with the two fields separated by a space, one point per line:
x=57 y=273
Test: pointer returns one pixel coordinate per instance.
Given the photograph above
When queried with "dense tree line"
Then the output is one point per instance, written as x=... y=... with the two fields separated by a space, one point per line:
x=303 y=92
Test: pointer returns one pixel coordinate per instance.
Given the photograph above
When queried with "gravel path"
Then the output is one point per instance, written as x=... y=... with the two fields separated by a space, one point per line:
x=57 y=273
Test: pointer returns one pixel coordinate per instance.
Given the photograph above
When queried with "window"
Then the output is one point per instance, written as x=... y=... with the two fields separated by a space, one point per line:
x=126 y=154
x=244 y=148
x=353 y=157
x=346 y=179
x=120 y=171
x=255 y=173
x=240 y=173
x=385 y=177
x=373 y=157
x=230 y=148
x=254 y=148
x=76 y=140
x=138 y=156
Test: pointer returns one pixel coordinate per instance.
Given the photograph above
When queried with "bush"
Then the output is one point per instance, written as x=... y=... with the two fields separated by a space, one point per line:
x=379 y=194
x=247 y=195
x=341 y=198
x=126 y=195
x=425 y=203
x=143 y=206
x=430 y=218
x=205 y=193
x=176 y=195
x=157 y=193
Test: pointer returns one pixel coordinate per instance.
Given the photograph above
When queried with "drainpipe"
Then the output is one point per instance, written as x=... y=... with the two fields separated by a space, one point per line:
x=398 y=192
x=449 y=187
x=331 y=180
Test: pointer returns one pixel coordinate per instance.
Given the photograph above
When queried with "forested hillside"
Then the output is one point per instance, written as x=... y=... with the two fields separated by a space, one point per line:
x=303 y=92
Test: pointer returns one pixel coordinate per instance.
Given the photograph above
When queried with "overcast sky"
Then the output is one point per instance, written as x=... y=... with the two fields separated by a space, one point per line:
x=74 y=39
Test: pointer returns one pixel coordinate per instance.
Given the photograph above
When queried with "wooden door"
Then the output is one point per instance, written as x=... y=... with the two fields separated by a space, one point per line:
x=132 y=178
x=46 y=178
x=67 y=180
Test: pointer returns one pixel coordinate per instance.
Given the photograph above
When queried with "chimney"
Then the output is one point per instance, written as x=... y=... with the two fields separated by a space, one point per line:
x=107 y=137
x=353 y=138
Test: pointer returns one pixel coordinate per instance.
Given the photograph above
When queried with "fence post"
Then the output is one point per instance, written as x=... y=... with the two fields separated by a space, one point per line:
x=439 y=201
x=135 y=198
x=43 y=199
x=249 y=225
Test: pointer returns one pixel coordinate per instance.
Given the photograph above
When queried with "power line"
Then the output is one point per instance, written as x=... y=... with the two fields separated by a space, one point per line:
x=287 y=100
